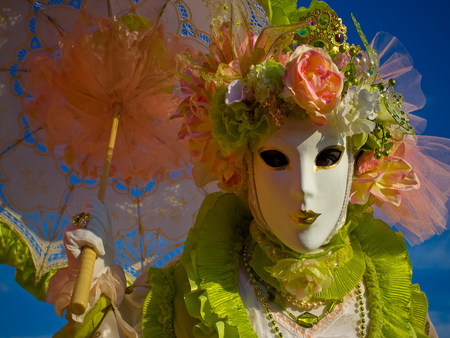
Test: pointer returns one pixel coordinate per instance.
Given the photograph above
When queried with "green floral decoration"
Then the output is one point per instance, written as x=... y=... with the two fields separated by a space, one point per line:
x=235 y=125
x=265 y=78
x=302 y=278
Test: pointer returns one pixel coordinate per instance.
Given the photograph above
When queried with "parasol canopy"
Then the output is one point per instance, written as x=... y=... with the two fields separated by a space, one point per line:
x=45 y=171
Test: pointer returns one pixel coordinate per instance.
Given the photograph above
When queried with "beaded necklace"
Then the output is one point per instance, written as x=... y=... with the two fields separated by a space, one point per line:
x=304 y=321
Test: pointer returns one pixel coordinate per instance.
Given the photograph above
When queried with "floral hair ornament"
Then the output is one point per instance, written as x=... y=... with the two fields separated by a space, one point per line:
x=246 y=86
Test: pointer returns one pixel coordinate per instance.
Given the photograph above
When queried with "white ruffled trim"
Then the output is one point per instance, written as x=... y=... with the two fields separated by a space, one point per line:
x=111 y=283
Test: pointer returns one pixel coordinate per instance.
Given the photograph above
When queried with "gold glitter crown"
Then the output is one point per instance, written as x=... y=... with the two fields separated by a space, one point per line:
x=323 y=29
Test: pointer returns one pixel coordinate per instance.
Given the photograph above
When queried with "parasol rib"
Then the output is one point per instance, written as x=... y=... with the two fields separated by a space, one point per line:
x=19 y=141
x=108 y=3
x=54 y=23
x=57 y=26
x=16 y=70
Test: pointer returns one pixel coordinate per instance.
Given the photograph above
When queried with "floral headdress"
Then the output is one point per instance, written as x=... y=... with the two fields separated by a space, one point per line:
x=248 y=83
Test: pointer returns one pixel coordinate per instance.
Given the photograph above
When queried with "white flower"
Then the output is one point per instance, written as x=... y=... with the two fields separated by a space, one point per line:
x=235 y=92
x=356 y=112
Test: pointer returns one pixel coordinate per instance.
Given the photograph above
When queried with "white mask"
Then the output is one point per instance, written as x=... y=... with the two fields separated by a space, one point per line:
x=301 y=168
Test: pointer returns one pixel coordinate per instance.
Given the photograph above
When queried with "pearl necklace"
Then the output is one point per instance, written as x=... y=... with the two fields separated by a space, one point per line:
x=303 y=304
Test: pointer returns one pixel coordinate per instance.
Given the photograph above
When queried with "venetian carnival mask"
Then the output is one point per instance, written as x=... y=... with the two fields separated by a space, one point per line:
x=239 y=105
x=301 y=178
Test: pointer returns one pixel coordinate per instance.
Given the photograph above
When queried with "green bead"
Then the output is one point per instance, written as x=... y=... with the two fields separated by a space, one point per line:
x=272 y=323
x=270 y=316
x=307 y=320
x=392 y=82
x=280 y=334
x=342 y=48
x=353 y=51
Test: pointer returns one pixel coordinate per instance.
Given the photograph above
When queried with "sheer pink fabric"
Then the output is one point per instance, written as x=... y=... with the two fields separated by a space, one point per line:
x=423 y=212
x=396 y=63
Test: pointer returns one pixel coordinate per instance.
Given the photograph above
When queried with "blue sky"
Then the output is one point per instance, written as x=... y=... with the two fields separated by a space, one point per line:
x=424 y=29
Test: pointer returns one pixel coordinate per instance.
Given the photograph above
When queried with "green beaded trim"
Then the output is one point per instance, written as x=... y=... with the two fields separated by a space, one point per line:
x=361 y=310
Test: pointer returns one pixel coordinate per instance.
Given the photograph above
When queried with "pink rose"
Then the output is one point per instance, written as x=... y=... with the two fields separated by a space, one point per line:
x=313 y=81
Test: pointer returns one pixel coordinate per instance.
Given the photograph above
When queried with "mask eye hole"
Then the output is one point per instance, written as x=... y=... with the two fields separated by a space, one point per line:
x=274 y=159
x=329 y=157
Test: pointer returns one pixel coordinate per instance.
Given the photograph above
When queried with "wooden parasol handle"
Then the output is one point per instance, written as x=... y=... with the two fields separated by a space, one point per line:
x=80 y=295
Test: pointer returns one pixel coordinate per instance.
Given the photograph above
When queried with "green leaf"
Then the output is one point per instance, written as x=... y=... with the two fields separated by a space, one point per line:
x=373 y=56
x=359 y=140
x=284 y=12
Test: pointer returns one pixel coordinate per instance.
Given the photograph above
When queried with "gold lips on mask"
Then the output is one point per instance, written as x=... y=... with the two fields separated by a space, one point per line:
x=304 y=217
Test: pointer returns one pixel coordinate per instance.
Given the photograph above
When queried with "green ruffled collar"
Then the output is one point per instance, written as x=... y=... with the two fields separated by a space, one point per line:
x=331 y=272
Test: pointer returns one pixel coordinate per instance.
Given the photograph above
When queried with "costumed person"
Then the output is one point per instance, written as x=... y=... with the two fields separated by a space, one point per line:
x=306 y=136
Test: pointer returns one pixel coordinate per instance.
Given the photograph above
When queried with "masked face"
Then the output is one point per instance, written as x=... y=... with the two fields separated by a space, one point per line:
x=301 y=179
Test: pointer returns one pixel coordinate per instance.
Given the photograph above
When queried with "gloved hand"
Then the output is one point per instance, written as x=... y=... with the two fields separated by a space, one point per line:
x=97 y=234
x=107 y=278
